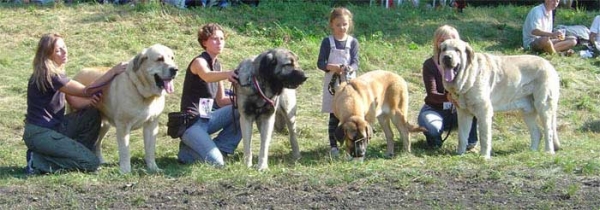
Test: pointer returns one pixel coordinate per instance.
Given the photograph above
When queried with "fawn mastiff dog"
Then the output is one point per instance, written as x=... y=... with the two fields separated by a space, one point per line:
x=482 y=84
x=375 y=94
x=135 y=99
x=266 y=92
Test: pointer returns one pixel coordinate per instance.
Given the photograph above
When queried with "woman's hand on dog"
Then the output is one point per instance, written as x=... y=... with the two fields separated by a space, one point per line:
x=96 y=99
x=119 y=68
x=233 y=77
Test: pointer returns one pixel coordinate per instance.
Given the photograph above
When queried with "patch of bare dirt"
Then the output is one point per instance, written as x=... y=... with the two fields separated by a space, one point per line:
x=446 y=192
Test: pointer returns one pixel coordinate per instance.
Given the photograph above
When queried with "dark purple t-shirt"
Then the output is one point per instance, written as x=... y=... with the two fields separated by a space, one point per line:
x=46 y=109
x=432 y=78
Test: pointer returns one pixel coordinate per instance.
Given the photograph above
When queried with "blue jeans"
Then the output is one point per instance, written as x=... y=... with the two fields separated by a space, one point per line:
x=196 y=143
x=438 y=121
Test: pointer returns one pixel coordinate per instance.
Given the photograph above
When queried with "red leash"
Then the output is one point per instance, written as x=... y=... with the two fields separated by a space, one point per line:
x=268 y=100
x=99 y=85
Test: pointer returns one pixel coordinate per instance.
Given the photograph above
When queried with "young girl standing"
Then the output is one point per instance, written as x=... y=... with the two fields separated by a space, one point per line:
x=338 y=58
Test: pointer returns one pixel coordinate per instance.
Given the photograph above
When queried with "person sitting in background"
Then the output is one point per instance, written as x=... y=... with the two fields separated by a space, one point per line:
x=595 y=32
x=538 y=35
x=197 y=3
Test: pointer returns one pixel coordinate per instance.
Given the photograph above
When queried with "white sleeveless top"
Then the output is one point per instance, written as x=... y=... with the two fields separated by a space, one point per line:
x=339 y=56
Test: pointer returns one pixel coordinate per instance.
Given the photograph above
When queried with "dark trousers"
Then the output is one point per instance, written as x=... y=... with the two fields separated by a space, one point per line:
x=333 y=123
x=67 y=147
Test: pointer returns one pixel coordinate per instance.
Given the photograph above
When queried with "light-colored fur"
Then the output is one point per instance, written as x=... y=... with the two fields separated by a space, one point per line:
x=278 y=74
x=134 y=100
x=483 y=84
x=380 y=95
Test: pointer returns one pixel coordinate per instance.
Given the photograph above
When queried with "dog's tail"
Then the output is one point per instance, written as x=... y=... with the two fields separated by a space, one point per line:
x=415 y=128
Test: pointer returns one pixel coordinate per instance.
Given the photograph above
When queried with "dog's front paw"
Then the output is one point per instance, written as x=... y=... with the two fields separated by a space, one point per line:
x=296 y=157
x=461 y=151
x=125 y=169
x=263 y=168
x=155 y=170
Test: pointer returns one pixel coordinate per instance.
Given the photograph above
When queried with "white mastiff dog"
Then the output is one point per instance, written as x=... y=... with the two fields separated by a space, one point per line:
x=482 y=84
x=135 y=99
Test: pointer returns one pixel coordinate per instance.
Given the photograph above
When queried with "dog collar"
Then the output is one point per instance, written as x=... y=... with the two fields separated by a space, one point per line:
x=262 y=95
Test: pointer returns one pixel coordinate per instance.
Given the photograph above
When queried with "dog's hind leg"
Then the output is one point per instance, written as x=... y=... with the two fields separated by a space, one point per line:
x=150 y=133
x=104 y=127
x=246 y=128
x=549 y=125
x=403 y=127
x=530 y=119
x=555 y=133
x=384 y=121
x=286 y=112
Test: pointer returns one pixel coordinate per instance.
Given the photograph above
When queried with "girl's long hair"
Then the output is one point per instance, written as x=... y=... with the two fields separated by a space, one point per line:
x=43 y=67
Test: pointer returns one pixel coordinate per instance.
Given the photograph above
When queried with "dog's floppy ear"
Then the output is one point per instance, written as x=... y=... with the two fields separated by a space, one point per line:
x=138 y=60
x=438 y=53
x=340 y=135
x=470 y=54
x=268 y=63
x=293 y=56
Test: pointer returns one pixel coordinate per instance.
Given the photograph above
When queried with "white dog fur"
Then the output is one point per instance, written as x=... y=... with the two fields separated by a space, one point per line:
x=135 y=99
x=484 y=83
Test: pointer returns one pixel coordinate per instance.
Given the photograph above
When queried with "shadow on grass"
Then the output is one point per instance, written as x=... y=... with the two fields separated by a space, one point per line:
x=593 y=126
x=12 y=172
x=169 y=166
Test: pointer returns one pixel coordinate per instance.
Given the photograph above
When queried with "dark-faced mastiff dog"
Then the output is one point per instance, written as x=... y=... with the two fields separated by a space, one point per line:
x=266 y=88
x=135 y=99
x=483 y=84
x=380 y=95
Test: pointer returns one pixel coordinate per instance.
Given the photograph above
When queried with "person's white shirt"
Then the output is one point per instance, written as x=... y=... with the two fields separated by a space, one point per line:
x=595 y=28
x=536 y=19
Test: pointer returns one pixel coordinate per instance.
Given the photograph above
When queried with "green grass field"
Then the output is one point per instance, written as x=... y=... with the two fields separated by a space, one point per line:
x=397 y=39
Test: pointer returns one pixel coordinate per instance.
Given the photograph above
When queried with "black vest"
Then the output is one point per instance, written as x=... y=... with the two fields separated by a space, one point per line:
x=195 y=87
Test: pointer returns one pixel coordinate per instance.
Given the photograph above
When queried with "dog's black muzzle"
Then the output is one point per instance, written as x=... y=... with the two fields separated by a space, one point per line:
x=173 y=72
x=358 y=148
x=160 y=81
x=447 y=61
x=294 y=79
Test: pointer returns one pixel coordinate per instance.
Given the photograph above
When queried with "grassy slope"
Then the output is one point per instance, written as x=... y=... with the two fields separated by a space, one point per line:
x=397 y=40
